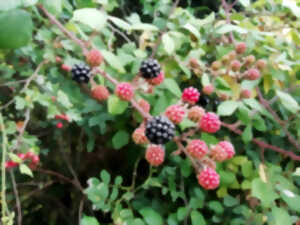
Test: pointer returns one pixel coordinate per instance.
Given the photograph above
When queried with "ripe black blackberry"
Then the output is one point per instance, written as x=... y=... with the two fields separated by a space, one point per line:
x=159 y=130
x=203 y=101
x=81 y=73
x=150 y=68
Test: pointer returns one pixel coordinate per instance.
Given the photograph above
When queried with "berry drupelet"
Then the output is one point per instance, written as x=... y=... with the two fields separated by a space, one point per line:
x=150 y=69
x=81 y=73
x=160 y=130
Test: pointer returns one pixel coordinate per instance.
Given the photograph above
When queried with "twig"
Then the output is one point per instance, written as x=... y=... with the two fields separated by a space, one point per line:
x=18 y=203
x=227 y=9
x=159 y=39
x=134 y=174
x=69 y=34
x=123 y=35
x=264 y=145
x=22 y=130
x=81 y=204
x=12 y=83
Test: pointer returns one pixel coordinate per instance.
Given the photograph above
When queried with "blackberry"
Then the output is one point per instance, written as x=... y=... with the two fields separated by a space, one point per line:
x=150 y=68
x=160 y=130
x=203 y=101
x=81 y=73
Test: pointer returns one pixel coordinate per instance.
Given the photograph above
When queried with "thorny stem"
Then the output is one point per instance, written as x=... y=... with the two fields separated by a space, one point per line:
x=18 y=203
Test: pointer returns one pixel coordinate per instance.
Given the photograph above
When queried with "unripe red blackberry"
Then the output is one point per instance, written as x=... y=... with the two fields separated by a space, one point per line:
x=10 y=164
x=155 y=155
x=228 y=147
x=144 y=105
x=29 y=155
x=241 y=47
x=190 y=95
x=216 y=65
x=35 y=159
x=225 y=59
x=245 y=93
x=224 y=96
x=160 y=130
x=208 y=89
x=235 y=65
x=100 y=93
x=59 y=125
x=139 y=136
x=210 y=123
x=208 y=179
x=261 y=64
x=194 y=63
x=175 y=113
x=150 y=68
x=62 y=117
x=197 y=148
x=21 y=156
x=124 y=91
x=252 y=74
x=157 y=80
x=58 y=59
x=218 y=154
x=250 y=59
x=81 y=73
x=66 y=67
x=232 y=55
x=94 y=58
x=195 y=113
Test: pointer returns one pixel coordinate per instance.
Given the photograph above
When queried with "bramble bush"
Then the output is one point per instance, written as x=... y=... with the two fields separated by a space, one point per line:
x=150 y=112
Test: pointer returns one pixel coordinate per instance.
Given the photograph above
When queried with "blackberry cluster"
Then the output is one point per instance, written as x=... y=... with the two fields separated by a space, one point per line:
x=150 y=68
x=160 y=130
x=81 y=73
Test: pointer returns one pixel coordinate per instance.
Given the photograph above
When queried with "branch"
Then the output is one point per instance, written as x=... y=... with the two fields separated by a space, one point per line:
x=18 y=203
x=227 y=9
x=264 y=145
x=159 y=39
x=69 y=34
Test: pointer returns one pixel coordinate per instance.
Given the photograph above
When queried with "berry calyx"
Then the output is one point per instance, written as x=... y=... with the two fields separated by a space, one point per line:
x=65 y=67
x=241 y=47
x=252 y=74
x=216 y=65
x=139 y=136
x=228 y=147
x=59 y=125
x=144 y=105
x=150 y=69
x=81 y=73
x=210 y=123
x=197 y=148
x=245 y=93
x=235 y=65
x=195 y=113
x=209 y=179
x=175 y=113
x=100 y=93
x=208 y=89
x=157 y=80
x=160 y=130
x=155 y=155
x=124 y=91
x=218 y=154
x=94 y=58
x=190 y=95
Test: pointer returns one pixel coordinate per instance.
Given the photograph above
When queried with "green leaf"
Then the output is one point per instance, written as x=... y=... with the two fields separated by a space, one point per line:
x=227 y=108
x=216 y=207
x=88 y=220
x=53 y=6
x=20 y=103
x=245 y=3
x=181 y=213
x=192 y=29
x=222 y=84
x=14 y=157
x=264 y=192
x=247 y=134
x=144 y=26
x=16 y=28
x=63 y=99
x=120 y=23
x=92 y=17
x=116 y=106
x=197 y=218
x=229 y=28
x=172 y=86
x=11 y=4
x=168 y=43
x=247 y=169
x=120 y=139
x=105 y=176
x=113 y=61
x=230 y=201
x=151 y=217
x=290 y=198
x=297 y=172
x=205 y=79
x=288 y=102
x=259 y=123
x=186 y=123
x=24 y=169
x=292 y=5
x=281 y=216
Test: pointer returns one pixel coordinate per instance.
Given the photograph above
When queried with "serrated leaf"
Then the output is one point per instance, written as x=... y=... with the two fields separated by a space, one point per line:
x=288 y=101
x=192 y=29
x=292 y=5
x=264 y=192
x=116 y=106
x=14 y=157
x=120 y=139
x=88 y=220
x=205 y=80
x=92 y=17
x=113 y=61
x=245 y=3
x=227 y=108
x=24 y=169
x=186 y=123
x=105 y=176
x=172 y=86
x=151 y=217
x=168 y=43
x=247 y=134
x=229 y=28
x=53 y=6
x=144 y=26
x=281 y=216
x=13 y=35
x=11 y=4
x=197 y=218
x=120 y=23
x=63 y=99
